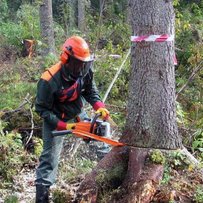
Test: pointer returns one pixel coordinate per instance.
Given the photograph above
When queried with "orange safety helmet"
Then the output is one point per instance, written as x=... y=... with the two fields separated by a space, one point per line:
x=76 y=47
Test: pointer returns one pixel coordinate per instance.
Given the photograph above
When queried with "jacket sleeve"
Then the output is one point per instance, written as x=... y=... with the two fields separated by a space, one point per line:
x=44 y=103
x=91 y=93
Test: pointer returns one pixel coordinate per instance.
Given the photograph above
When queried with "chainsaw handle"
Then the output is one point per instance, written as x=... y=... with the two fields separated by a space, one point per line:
x=65 y=132
x=61 y=132
x=94 y=121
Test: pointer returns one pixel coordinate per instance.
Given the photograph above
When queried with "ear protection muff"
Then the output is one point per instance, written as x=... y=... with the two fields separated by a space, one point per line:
x=64 y=57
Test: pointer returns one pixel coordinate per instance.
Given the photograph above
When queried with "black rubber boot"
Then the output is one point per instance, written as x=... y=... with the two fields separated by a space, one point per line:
x=42 y=194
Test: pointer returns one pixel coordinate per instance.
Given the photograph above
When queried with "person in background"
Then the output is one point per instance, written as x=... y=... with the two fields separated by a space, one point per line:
x=61 y=93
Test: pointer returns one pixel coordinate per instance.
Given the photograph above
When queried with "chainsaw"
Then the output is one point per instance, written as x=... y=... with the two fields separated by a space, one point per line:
x=91 y=129
x=96 y=130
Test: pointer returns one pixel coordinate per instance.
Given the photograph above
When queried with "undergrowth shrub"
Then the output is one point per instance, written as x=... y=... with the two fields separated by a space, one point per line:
x=11 y=199
x=13 y=91
x=105 y=67
x=11 y=154
x=26 y=26
x=197 y=144
x=3 y=10
x=198 y=195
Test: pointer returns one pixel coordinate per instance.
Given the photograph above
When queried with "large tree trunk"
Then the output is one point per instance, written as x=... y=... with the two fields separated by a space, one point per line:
x=151 y=118
x=47 y=30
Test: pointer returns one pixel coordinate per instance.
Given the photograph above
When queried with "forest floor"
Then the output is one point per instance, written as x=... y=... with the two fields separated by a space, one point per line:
x=181 y=182
x=74 y=164
x=23 y=187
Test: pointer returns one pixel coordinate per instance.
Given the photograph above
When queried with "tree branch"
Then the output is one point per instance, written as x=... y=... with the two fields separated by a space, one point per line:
x=192 y=159
x=32 y=123
x=194 y=73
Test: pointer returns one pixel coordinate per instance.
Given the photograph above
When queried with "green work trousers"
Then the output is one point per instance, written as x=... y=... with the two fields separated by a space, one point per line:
x=52 y=145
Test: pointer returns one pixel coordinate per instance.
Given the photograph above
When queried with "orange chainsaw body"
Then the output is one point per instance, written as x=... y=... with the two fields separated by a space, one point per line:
x=91 y=130
x=83 y=130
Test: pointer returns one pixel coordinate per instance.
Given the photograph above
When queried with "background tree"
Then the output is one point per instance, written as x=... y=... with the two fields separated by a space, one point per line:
x=72 y=18
x=47 y=30
x=81 y=15
x=151 y=112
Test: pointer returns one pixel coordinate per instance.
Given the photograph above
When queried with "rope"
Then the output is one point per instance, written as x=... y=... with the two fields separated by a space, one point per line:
x=115 y=77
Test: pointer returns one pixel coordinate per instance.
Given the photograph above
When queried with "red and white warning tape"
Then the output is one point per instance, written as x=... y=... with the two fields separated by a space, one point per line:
x=153 y=38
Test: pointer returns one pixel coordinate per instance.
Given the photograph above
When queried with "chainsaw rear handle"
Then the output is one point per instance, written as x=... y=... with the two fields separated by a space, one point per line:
x=94 y=121
x=61 y=132
x=65 y=132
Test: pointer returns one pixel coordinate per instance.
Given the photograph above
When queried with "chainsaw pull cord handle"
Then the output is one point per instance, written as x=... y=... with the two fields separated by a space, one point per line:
x=94 y=121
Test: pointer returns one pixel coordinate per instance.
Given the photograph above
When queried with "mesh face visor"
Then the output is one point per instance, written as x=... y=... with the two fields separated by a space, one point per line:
x=77 y=67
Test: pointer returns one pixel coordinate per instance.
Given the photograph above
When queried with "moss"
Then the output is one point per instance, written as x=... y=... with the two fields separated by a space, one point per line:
x=38 y=146
x=157 y=157
x=101 y=177
x=112 y=178
x=109 y=182
x=61 y=196
x=11 y=199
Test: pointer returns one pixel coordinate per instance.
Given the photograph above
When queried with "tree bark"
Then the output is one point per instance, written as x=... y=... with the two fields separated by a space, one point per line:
x=65 y=16
x=89 y=188
x=47 y=30
x=151 y=119
x=72 y=17
x=81 y=15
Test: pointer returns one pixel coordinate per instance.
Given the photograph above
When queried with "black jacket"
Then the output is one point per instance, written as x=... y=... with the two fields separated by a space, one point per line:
x=62 y=99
